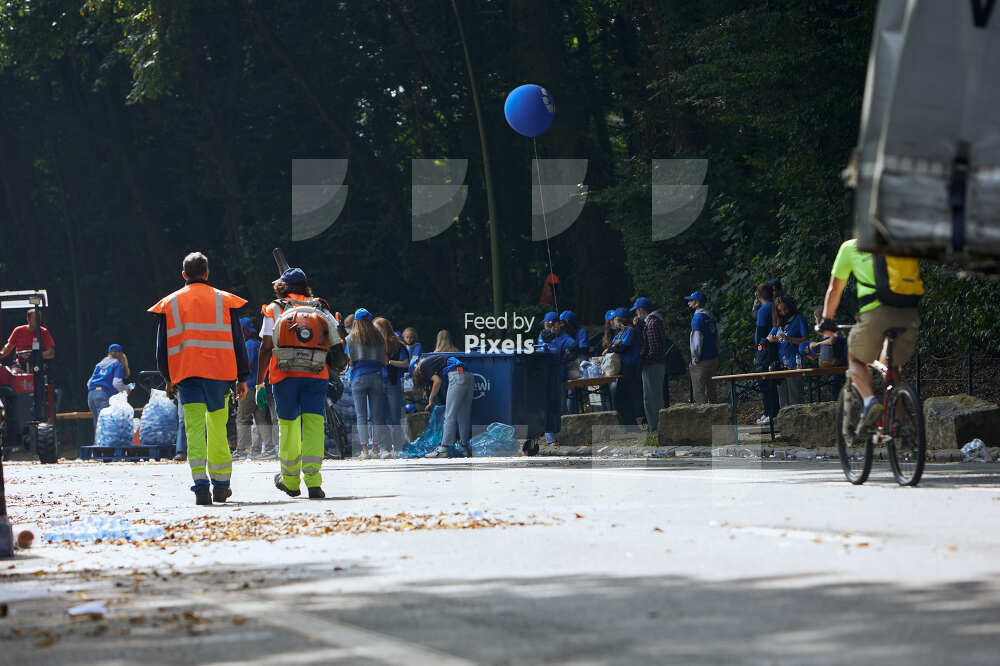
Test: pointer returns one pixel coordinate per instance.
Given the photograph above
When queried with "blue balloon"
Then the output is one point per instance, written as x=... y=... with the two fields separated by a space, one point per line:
x=529 y=109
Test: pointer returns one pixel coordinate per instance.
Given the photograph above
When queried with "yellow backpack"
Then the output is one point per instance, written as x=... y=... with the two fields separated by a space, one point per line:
x=897 y=282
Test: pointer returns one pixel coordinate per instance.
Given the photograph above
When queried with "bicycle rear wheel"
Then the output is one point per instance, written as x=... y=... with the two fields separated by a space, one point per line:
x=855 y=454
x=907 y=447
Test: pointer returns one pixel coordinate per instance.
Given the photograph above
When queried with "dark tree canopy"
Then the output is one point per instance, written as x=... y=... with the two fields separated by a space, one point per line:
x=132 y=132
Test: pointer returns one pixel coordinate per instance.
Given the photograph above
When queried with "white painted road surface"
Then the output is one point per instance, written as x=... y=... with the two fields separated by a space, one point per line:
x=590 y=562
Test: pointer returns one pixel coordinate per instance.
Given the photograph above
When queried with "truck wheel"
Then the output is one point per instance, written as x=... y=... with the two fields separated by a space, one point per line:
x=530 y=447
x=48 y=447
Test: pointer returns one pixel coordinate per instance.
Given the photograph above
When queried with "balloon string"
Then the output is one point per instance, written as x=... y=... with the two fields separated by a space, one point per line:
x=545 y=222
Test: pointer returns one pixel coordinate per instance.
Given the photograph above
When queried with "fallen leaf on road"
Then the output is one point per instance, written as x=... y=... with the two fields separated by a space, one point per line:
x=238 y=621
x=863 y=544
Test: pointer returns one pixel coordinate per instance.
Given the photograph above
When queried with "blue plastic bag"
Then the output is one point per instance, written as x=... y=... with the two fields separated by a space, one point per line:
x=496 y=440
x=158 y=426
x=114 y=424
x=429 y=439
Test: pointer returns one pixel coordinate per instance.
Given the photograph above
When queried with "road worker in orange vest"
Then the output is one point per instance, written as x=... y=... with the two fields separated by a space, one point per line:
x=299 y=334
x=200 y=352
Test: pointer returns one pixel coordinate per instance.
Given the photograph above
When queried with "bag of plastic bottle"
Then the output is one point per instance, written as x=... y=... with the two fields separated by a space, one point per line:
x=496 y=440
x=114 y=423
x=429 y=439
x=158 y=425
x=611 y=365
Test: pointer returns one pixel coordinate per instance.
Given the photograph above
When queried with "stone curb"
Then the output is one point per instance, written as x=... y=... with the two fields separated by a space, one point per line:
x=768 y=452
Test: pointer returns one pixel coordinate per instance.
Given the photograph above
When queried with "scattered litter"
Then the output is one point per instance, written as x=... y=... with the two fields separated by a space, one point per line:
x=209 y=529
x=99 y=528
x=496 y=440
x=976 y=451
x=94 y=609
x=730 y=452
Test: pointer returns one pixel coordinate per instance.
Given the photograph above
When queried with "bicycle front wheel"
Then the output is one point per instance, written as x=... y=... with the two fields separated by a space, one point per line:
x=855 y=454
x=907 y=446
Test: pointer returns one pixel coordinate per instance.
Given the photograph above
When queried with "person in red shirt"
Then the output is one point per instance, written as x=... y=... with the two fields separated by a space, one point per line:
x=22 y=337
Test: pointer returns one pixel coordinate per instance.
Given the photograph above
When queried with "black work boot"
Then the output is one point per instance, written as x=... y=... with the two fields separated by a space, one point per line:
x=221 y=494
x=316 y=493
x=280 y=485
x=202 y=496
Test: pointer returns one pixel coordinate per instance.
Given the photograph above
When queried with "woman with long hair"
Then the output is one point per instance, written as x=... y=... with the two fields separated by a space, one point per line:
x=609 y=330
x=444 y=344
x=628 y=389
x=791 y=331
x=107 y=380
x=366 y=349
x=397 y=361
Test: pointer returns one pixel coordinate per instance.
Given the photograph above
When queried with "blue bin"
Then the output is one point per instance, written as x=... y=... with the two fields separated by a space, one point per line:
x=521 y=390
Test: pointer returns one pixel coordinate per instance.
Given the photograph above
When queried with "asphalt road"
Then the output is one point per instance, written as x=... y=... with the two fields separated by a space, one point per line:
x=616 y=562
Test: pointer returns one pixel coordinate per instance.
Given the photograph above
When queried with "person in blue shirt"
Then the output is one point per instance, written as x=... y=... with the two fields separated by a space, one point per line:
x=627 y=391
x=568 y=320
x=704 y=346
x=550 y=324
x=366 y=350
x=766 y=354
x=447 y=378
x=413 y=348
x=107 y=380
x=564 y=347
x=788 y=335
x=397 y=363
x=248 y=414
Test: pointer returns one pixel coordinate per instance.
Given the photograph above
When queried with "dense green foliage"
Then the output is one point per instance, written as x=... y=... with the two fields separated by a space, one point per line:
x=133 y=131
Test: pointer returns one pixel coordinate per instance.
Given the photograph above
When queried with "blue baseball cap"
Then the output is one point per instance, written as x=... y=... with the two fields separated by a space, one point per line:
x=642 y=302
x=621 y=313
x=114 y=348
x=696 y=296
x=609 y=315
x=247 y=323
x=362 y=315
x=294 y=277
x=550 y=317
x=567 y=315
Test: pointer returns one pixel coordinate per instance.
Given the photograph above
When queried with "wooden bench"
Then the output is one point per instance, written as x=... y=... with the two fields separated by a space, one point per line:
x=581 y=389
x=744 y=384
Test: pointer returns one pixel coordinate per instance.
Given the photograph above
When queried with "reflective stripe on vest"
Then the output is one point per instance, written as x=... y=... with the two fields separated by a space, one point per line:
x=199 y=332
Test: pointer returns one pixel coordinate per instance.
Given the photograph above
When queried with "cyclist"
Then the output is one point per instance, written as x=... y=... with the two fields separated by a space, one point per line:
x=864 y=343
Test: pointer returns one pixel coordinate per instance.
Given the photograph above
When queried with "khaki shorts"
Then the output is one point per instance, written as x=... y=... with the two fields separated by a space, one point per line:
x=865 y=340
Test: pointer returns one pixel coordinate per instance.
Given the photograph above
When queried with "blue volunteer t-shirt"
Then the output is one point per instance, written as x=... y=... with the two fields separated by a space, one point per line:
x=390 y=372
x=796 y=328
x=253 y=348
x=709 y=335
x=764 y=323
x=559 y=346
x=627 y=339
x=104 y=375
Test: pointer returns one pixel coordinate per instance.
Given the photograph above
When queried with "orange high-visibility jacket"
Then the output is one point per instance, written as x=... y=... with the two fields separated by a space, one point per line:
x=199 y=332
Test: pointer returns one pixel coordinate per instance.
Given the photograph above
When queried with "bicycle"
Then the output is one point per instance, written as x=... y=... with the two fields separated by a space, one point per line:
x=900 y=428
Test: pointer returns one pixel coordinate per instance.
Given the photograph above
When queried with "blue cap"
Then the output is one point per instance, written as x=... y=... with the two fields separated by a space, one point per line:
x=621 y=313
x=550 y=317
x=696 y=296
x=114 y=348
x=609 y=315
x=362 y=315
x=294 y=277
x=247 y=323
x=567 y=315
x=642 y=302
